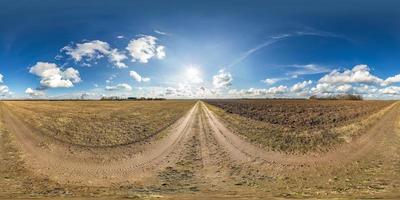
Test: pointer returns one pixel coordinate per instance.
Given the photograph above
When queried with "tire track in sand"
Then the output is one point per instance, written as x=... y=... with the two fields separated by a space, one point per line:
x=58 y=166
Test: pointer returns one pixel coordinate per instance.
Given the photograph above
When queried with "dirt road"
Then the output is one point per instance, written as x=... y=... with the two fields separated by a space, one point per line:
x=199 y=153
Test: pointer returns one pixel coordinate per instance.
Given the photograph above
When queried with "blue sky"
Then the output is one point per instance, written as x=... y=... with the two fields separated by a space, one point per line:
x=199 y=49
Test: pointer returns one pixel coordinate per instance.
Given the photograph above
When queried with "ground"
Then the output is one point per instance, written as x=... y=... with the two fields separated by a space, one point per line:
x=199 y=157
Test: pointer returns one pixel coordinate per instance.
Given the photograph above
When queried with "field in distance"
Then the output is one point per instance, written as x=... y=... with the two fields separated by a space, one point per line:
x=100 y=123
x=298 y=125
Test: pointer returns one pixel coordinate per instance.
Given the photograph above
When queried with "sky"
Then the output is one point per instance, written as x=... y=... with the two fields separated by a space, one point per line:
x=199 y=49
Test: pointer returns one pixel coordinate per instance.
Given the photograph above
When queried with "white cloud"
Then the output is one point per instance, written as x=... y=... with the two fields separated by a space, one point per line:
x=393 y=79
x=282 y=37
x=187 y=91
x=277 y=90
x=160 y=52
x=392 y=90
x=222 y=79
x=144 y=48
x=34 y=93
x=326 y=88
x=117 y=58
x=160 y=32
x=307 y=69
x=120 y=37
x=53 y=77
x=358 y=80
x=137 y=77
x=301 y=86
x=122 y=86
x=4 y=90
x=365 y=89
x=94 y=50
x=271 y=81
x=346 y=88
x=88 y=50
x=249 y=92
x=323 y=88
x=359 y=74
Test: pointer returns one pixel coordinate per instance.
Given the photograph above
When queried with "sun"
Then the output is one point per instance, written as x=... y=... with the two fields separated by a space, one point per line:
x=193 y=74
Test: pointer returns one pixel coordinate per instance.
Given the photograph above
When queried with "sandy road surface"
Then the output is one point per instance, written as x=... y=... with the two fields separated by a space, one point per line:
x=199 y=153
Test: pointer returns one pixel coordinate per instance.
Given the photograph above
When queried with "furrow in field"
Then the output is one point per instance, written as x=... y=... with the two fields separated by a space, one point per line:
x=244 y=151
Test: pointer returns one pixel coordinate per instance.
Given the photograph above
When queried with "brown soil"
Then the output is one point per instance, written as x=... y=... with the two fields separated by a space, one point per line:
x=299 y=126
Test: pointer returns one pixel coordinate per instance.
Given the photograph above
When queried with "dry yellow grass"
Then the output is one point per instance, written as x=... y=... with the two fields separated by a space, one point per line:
x=99 y=123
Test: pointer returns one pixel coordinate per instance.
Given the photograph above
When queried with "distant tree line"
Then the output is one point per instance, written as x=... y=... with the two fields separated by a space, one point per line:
x=355 y=97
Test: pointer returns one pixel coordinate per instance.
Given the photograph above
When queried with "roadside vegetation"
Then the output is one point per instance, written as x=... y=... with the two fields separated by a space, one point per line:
x=294 y=126
x=99 y=123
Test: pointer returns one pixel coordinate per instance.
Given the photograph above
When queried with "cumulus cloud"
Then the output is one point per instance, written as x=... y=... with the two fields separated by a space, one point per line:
x=4 y=91
x=54 y=77
x=323 y=88
x=222 y=79
x=358 y=80
x=93 y=50
x=359 y=74
x=260 y=92
x=188 y=91
x=326 y=88
x=88 y=50
x=392 y=90
x=346 y=88
x=145 y=48
x=365 y=89
x=137 y=77
x=393 y=79
x=119 y=87
x=117 y=58
x=249 y=92
x=277 y=90
x=34 y=93
x=301 y=86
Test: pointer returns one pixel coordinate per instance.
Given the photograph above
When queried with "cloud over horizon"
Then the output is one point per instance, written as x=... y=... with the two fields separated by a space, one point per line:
x=52 y=76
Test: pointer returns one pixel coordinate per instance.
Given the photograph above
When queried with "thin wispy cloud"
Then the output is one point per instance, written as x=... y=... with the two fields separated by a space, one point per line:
x=160 y=32
x=280 y=37
x=298 y=70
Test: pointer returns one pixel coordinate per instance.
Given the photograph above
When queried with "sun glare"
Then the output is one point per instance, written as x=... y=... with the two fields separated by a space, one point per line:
x=193 y=74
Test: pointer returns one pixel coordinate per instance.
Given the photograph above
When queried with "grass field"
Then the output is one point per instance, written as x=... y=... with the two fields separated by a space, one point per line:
x=99 y=123
x=297 y=125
